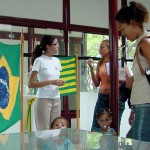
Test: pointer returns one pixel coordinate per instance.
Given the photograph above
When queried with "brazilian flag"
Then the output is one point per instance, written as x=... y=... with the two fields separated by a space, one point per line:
x=10 y=111
x=68 y=74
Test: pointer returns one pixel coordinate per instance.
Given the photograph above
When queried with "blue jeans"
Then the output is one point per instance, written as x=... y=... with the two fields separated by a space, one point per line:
x=102 y=102
x=140 y=129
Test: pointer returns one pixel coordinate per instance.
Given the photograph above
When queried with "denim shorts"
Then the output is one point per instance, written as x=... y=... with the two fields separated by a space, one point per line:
x=140 y=129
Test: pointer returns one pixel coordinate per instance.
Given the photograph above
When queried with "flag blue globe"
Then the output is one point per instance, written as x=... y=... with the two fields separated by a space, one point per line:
x=4 y=87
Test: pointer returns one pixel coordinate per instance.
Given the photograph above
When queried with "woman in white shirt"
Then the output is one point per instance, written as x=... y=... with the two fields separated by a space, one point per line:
x=47 y=69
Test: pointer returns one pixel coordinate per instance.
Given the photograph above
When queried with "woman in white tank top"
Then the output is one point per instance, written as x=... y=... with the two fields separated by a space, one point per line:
x=130 y=21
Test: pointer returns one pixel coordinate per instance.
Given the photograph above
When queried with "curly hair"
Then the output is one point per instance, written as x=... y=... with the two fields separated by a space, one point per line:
x=133 y=11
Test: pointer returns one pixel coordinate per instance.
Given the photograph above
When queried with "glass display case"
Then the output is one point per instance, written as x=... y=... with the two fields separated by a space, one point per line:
x=68 y=139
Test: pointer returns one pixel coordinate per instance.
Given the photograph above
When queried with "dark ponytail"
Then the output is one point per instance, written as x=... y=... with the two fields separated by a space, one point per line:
x=39 y=49
x=36 y=53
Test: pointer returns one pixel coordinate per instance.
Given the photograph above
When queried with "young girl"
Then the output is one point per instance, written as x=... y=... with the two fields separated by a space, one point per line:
x=104 y=120
x=59 y=122
x=60 y=141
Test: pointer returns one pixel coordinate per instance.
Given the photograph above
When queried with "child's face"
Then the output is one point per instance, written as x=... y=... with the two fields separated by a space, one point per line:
x=60 y=123
x=104 y=121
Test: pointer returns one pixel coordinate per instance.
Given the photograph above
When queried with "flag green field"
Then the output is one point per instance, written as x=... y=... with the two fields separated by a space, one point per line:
x=10 y=111
x=68 y=74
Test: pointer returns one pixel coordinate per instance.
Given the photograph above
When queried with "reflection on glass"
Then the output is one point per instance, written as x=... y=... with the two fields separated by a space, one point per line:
x=85 y=78
x=68 y=139
x=75 y=43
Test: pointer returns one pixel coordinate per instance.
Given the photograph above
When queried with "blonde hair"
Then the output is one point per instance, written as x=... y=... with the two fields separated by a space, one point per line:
x=107 y=44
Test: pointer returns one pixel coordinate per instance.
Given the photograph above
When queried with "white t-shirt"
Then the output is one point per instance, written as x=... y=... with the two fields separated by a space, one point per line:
x=48 y=68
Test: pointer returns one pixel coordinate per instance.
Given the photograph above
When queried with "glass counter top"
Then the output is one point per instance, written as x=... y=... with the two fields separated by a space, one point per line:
x=68 y=139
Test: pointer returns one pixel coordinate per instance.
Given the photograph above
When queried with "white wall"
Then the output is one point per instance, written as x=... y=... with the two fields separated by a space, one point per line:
x=87 y=105
x=82 y=12
x=89 y=13
x=49 y=10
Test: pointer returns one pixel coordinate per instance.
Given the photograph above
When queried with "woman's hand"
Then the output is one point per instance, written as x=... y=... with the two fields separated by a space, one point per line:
x=58 y=82
x=131 y=118
x=90 y=63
